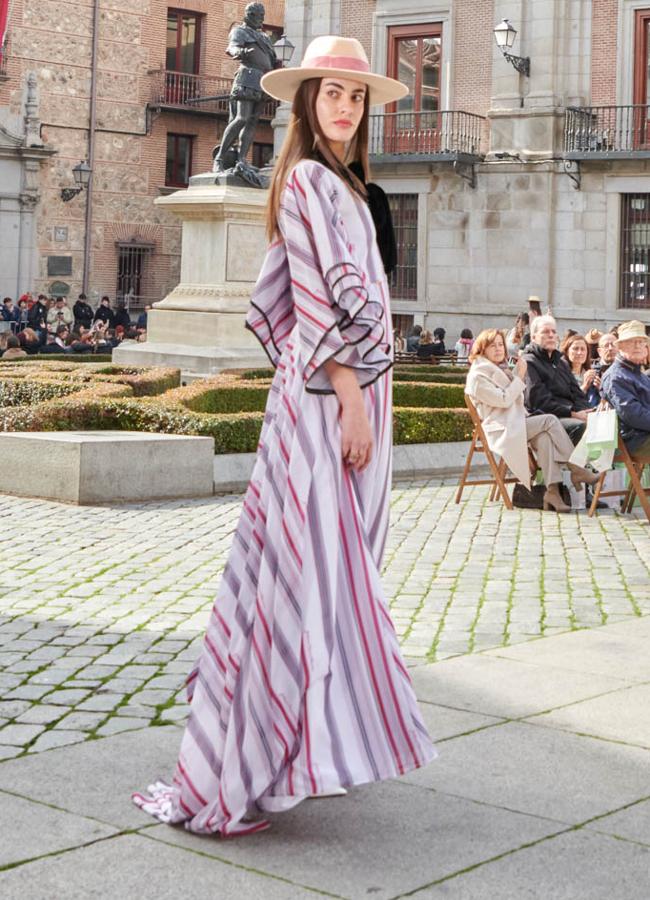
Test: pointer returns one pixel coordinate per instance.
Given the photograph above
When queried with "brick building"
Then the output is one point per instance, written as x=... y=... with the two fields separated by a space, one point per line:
x=505 y=185
x=136 y=68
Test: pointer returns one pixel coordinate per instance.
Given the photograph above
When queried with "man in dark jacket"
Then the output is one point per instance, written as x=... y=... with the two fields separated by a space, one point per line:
x=83 y=313
x=104 y=313
x=627 y=389
x=37 y=316
x=550 y=385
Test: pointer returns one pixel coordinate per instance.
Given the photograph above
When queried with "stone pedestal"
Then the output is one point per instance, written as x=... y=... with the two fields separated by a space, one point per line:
x=199 y=326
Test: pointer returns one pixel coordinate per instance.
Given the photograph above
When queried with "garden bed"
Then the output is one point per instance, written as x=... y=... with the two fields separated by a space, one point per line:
x=62 y=396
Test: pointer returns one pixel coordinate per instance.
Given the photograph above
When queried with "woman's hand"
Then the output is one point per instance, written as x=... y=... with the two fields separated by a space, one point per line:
x=590 y=377
x=356 y=433
x=521 y=367
x=356 y=437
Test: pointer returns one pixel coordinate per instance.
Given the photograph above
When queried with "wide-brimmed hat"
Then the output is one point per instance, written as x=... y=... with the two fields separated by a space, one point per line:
x=593 y=336
x=333 y=55
x=630 y=330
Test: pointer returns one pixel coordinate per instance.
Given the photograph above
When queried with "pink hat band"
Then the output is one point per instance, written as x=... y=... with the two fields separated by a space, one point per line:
x=336 y=62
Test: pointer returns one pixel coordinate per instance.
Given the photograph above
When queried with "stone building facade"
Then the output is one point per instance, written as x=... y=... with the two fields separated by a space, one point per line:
x=148 y=136
x=505 y=185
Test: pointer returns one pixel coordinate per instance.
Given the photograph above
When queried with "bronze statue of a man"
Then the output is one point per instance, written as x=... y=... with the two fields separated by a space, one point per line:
x=254 y=50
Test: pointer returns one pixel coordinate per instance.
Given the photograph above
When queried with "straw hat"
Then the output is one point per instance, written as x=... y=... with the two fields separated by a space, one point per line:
x=630 y=330
x=593 y=336
x=338 y=56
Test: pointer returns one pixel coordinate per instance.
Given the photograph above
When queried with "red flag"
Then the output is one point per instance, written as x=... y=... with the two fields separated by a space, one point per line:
x=4 y=23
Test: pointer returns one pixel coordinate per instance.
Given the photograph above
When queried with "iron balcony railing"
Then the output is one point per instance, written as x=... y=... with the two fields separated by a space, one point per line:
x=4 y=54
x=182 y=90
x=606 y=131
x=446 y=134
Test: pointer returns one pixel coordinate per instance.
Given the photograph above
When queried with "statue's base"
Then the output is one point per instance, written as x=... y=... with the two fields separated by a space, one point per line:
x=189 y=358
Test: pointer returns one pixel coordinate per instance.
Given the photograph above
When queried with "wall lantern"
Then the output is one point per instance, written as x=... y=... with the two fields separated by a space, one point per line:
x=284 y=49
x=81 y=174
x=504 y=35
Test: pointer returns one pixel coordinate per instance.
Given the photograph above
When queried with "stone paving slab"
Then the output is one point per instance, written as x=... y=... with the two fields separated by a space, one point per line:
x=540 y=771
x=33 y=829
x=106 y=773
x=575 y=866
x=620 y=716
x=632 y=824
x=620 y=651
x=347 y=846
x=133 y=866
x=503 y=686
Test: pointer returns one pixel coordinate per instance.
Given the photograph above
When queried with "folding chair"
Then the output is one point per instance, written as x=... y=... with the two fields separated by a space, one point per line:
x=479 y=444
x=635 y=466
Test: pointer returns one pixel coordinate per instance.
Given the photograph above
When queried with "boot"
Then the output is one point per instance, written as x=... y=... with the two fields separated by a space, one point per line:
x=553 y=500
x=580 y=476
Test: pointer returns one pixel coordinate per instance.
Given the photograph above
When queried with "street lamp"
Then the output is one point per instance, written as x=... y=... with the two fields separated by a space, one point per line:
x=284 y=49
x=81 y=174
x=504 y=35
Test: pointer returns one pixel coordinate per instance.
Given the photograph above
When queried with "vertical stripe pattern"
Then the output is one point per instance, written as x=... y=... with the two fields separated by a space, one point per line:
x=300 y=688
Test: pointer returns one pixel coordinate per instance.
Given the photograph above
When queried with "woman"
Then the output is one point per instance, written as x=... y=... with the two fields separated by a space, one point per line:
x=301 y=689
x=426 y=348
x=515 y=338
x=575 y=350
x=463 y=345
x=498 y=395
x=30 y=341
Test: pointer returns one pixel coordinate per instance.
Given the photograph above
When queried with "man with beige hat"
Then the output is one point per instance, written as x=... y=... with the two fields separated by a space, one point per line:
x=627 y=388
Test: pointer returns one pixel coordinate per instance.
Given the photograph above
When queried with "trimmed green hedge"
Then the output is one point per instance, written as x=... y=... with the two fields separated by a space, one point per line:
x=431 y=378
x=59 y=396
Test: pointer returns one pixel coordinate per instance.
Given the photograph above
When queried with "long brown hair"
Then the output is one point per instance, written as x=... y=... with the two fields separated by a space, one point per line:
x=305 y=140
x=568 y=342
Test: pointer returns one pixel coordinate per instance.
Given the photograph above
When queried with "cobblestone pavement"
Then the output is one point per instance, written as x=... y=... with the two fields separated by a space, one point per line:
x=102 y=609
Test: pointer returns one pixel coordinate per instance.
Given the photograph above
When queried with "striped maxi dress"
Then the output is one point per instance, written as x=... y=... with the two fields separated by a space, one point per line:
x=300 y=688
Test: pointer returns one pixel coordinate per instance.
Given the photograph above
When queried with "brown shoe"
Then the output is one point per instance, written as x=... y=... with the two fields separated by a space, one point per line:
x=553 y=500
x=580 y=476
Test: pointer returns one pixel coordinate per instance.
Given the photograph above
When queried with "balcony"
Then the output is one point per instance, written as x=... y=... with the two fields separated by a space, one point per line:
x=448 y=136
x=4 y=62
x=181 y=91
x=607 y=132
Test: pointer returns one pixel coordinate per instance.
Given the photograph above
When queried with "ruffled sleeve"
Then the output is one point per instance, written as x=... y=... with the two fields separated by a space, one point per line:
x=339 y=314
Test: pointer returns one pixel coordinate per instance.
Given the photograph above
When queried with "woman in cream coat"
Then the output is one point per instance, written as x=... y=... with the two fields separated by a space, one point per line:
x=498 y=395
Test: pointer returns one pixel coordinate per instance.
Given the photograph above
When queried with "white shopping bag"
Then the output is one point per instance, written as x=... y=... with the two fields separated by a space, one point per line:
x=599 y=442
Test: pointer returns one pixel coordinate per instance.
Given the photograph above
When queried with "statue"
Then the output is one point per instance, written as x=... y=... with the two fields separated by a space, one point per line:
x=254 y=50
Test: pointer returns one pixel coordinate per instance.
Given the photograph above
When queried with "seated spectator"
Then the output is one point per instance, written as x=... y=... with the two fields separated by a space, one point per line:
x=59 y=314
x=464 y=344
x=11 y=314
x=399 y=344
x=121 y=317
x=30 y=341
x=627 y=388
x=550 y=386
x=575 y=350
x=83 y=313
x=62 y=336
x=606 y=352
x=439 y=341
x=104 y=313
x=426 y=347
x=14 y=350
x=142 y=318
x=515 y=337
x=413 y=339
x=498 y=395
x=51 y=344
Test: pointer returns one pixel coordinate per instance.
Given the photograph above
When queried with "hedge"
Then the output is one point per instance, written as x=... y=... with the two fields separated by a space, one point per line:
x=48 y=357
x=105 y=398
x=431 y=378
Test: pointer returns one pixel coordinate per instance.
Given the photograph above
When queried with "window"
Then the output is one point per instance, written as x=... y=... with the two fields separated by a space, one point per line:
x=414 y=57
x=131 y=272
x=635 y=251
x=178 y=166
x=404 y=280
x=183 y=41
x=262 y=155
